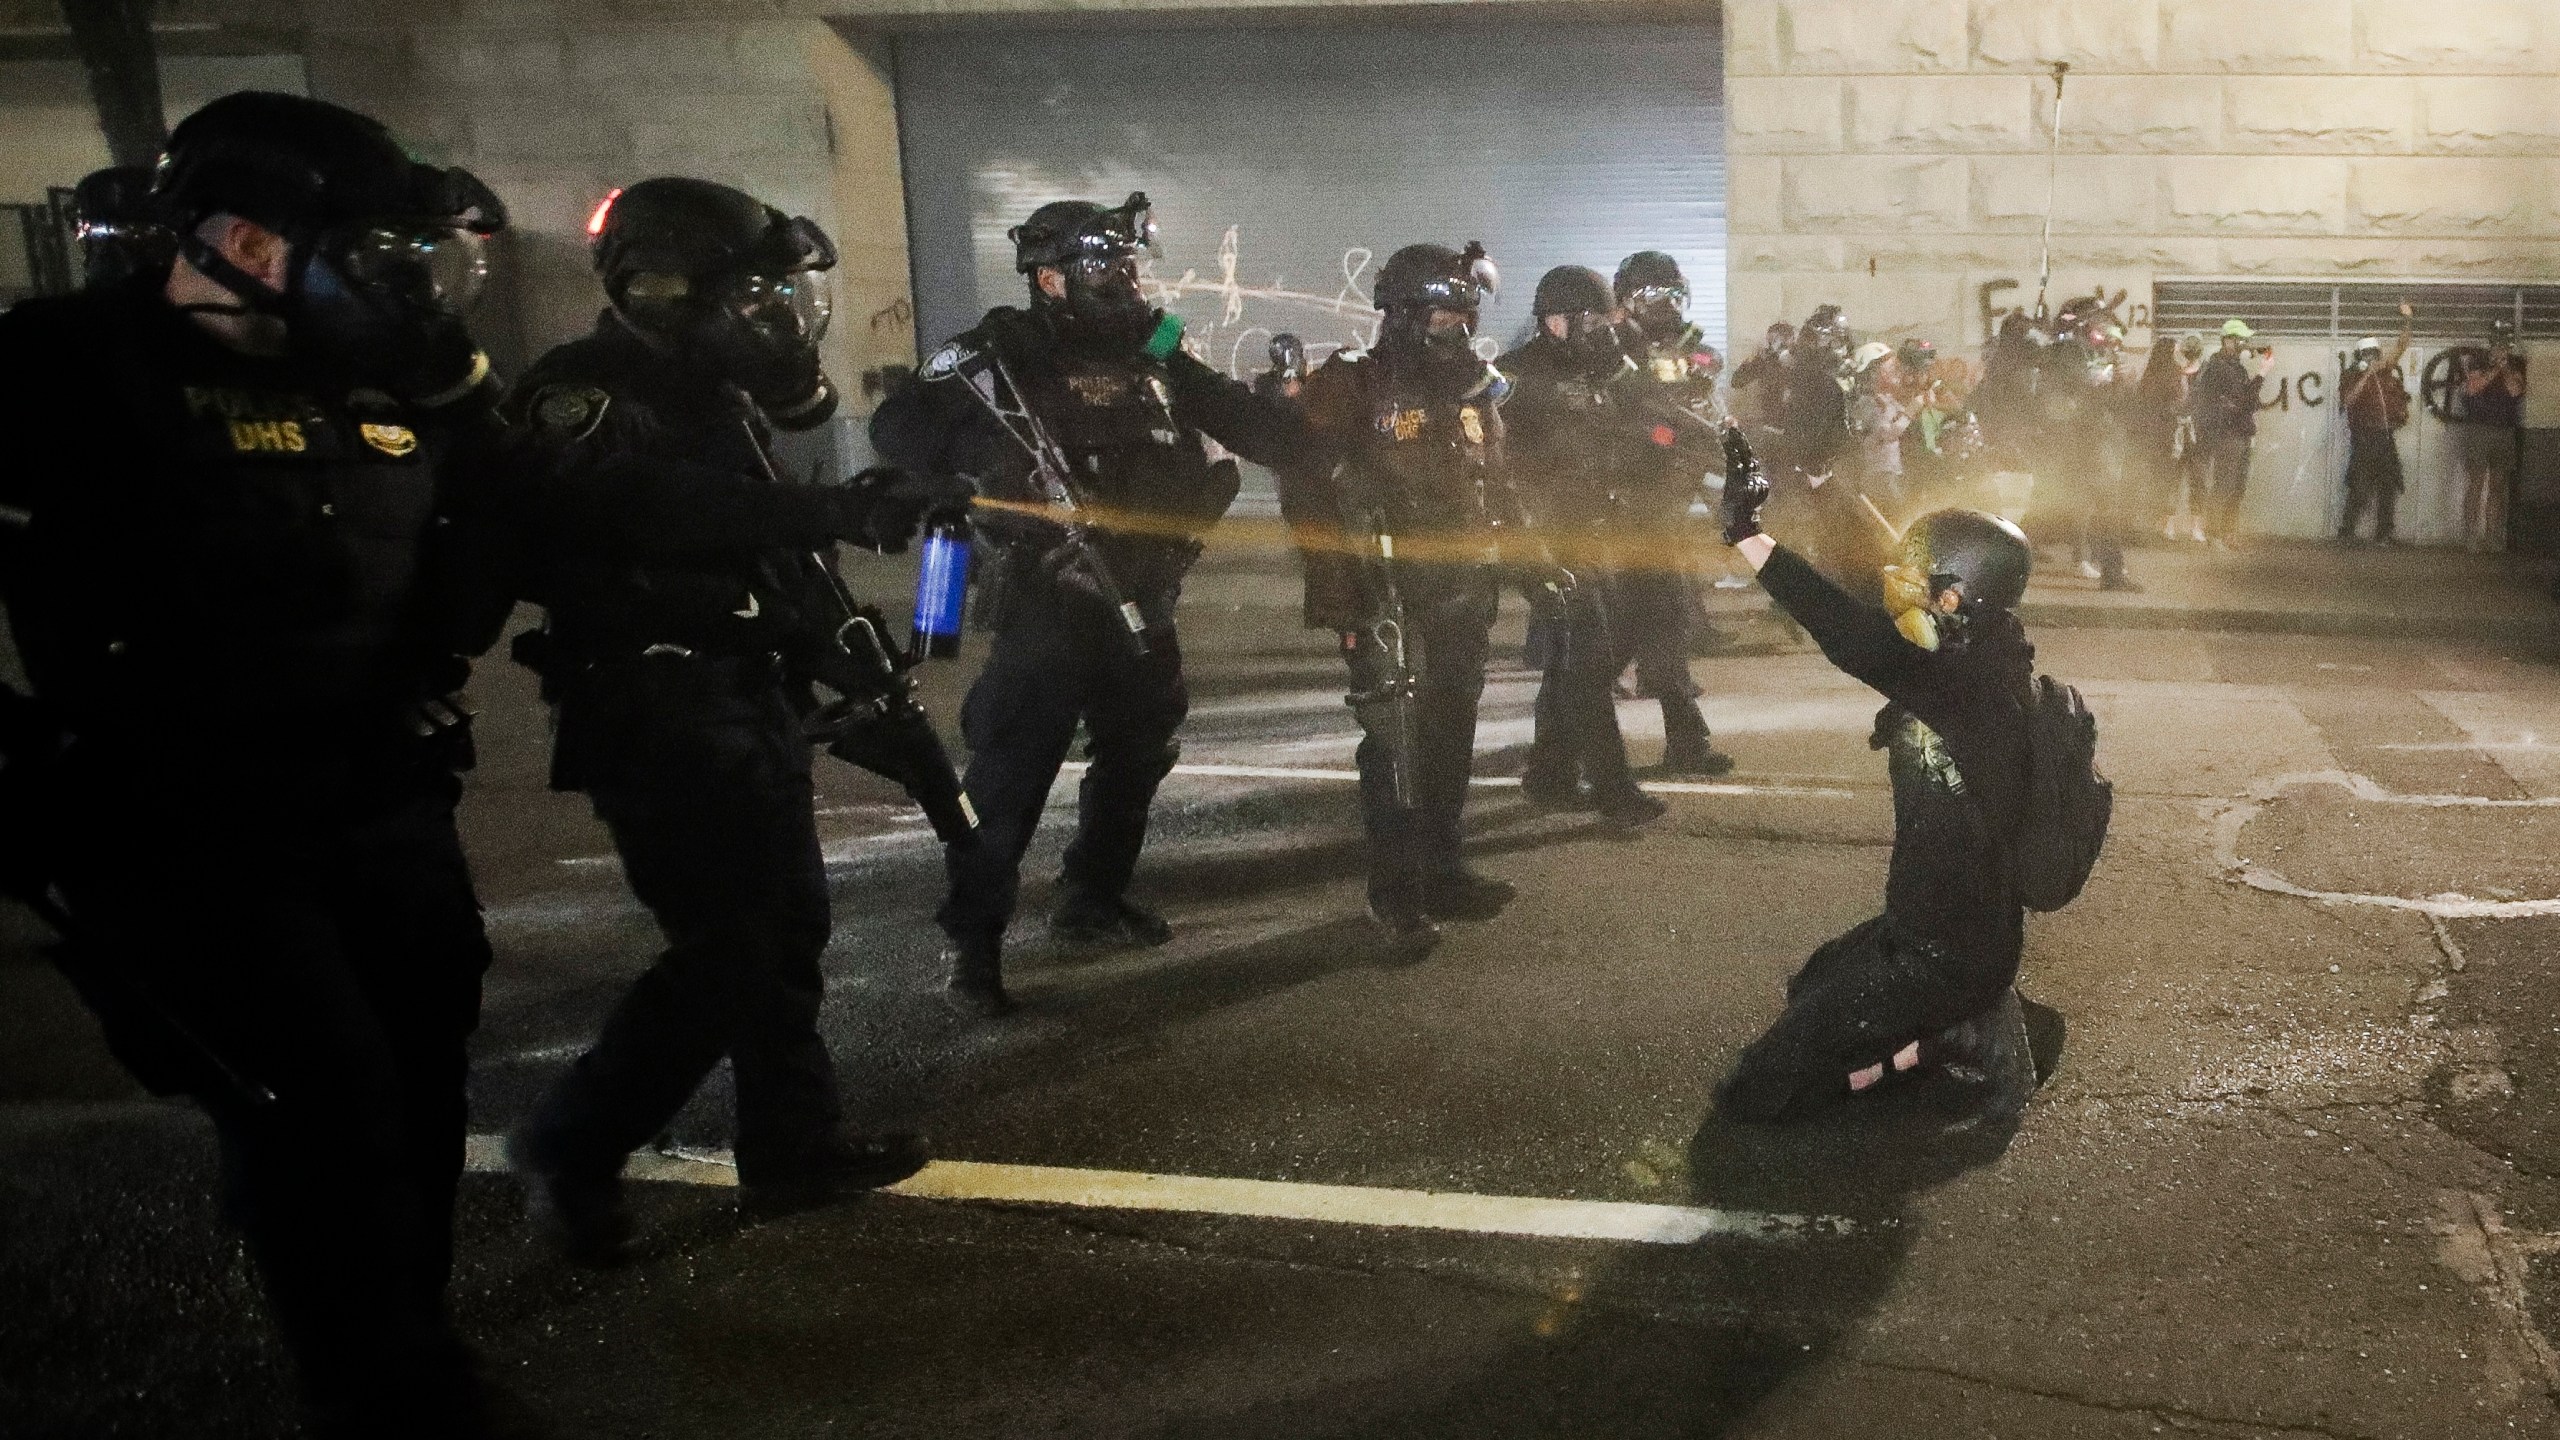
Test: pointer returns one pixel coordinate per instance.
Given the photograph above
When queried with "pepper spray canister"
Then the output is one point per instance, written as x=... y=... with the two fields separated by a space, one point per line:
x=942 y=591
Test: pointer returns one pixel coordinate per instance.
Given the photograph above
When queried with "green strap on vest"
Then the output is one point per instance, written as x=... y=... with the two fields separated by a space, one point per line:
x=1168 y=336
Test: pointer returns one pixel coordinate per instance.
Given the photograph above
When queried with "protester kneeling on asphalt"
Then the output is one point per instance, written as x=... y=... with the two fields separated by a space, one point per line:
x=1979 y=780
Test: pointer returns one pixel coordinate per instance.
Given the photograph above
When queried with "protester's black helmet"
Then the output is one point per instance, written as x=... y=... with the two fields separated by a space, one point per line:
x=1571 y=290
x=695 y=228
x=1435 y=277
x=298 y=166
x=1987 y=554
x=1068 y=230
x=1649 y=270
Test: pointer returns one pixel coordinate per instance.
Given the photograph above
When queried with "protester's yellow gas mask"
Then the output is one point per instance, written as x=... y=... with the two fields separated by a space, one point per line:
x=1908 y=600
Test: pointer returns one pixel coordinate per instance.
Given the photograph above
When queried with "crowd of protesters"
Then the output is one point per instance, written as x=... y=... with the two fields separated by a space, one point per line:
x=2085 y=442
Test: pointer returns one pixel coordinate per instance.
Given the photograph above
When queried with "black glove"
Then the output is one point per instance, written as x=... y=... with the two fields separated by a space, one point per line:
x=1746 y=489
x=1550 y=589
x=445 y=365
x=884 y=506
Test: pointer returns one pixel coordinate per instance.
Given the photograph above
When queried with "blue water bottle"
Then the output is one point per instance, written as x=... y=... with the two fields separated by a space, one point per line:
x=942 y=591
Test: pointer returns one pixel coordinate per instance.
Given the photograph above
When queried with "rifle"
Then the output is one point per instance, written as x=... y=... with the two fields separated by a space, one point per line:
x=875 y=721
x=1049 y=473
x=1385 y=705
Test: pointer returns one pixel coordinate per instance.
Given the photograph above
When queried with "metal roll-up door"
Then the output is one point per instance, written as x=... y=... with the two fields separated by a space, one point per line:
x=1286 y=162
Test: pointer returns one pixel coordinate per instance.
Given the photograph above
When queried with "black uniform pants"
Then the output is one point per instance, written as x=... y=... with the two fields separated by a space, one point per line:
x=1860 y=998
x=2373 y=482
x=1051 y=666
x=1449 y=613
x=1577 y=737
x=1651 y=607
x=711 y=813
x=334 y=959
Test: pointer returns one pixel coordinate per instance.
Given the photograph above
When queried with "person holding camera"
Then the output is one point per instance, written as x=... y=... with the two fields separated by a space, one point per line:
x=2226 y=404
x=2491 y=413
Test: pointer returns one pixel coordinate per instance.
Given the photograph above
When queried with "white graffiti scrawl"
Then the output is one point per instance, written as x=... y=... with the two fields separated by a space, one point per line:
x=1245 y=318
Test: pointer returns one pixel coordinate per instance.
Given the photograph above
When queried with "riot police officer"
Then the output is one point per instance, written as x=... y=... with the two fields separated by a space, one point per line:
x=674 y=570
x=244 y=488
x=1658 y=601
x=1401 y=502
x=1084 y=401
x=1574 y=423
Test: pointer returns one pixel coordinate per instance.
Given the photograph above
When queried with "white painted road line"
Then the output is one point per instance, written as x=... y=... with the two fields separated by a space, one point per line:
x=1524 y=1215
x=1507 y=782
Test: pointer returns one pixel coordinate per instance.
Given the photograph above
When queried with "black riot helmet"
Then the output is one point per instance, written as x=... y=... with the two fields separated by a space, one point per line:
x=1656 y=296
x=1572 y=290
x=1825 y=331
x=1095 y=250
x=724 y=281
x=386 y=249
x=1064 y=231
x=1577 y=297
x=1431 y=295
x=121 y=230
x=1435 y=277
x=1986 y=555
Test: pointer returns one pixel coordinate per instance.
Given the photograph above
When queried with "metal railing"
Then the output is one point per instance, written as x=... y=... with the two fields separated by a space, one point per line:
x=37 y=249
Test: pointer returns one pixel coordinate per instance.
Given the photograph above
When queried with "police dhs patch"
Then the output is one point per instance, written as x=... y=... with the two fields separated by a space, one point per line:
x=570 y=410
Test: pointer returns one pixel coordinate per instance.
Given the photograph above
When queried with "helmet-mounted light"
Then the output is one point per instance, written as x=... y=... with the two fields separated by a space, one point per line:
x=603 y=212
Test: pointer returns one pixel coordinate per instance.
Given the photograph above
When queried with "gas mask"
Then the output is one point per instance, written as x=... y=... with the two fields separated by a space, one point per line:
x=754 y=322
x=1436 y=344
x=756 y=329
x=382 y=290
x=1911 y=598
x=1596 y=343
x=381 y=302
x=1104 y=308
x=1659 y=312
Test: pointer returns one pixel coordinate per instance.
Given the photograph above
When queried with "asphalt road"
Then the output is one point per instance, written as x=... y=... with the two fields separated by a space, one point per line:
x=2296 y=1173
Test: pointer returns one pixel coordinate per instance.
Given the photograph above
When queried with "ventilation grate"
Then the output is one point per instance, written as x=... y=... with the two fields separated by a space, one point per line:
x=2310 y=309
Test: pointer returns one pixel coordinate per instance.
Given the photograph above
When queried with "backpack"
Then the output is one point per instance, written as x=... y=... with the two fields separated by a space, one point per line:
x=2068 y=803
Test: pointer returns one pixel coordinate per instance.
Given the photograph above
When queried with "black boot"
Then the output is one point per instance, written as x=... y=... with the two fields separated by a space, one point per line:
x=1990 y=1060
x=1465 y=895
x=1549 y=782
x=975 y=988
x=1686 y=750
x=835 y=1167
x=580 y=1212
x=1395 y=907
x=1087 y=921
x=1631 y=809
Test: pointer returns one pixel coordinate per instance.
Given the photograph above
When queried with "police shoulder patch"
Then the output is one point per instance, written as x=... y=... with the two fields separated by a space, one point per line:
x=572 y=411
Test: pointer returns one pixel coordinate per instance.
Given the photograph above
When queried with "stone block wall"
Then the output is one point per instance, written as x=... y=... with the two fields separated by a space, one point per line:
x=1891 y=155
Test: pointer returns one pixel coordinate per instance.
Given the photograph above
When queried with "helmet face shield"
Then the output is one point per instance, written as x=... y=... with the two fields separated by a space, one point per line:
x=794 y=308
x=428 y=269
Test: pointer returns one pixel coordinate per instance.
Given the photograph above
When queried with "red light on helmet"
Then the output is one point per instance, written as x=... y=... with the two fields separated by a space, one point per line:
x=602 y=212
